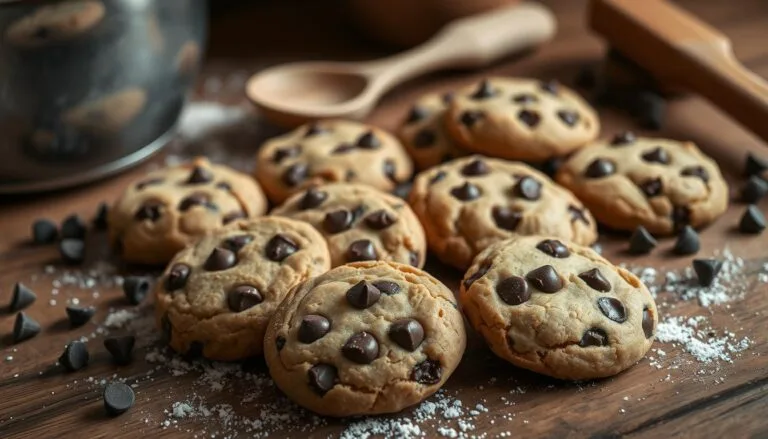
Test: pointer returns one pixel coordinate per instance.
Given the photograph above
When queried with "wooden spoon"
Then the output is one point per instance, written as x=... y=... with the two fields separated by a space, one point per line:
x=292 y=94
x=679 y=50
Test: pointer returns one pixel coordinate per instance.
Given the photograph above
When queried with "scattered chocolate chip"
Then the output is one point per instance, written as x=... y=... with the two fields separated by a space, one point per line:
x=73 y=227
x=475 y=167
x=596 y=280
x=687 y=242
x=387 y=287
x=75 y=356
x=200 y=175
x=554 y=248
x=314 y=129
x=24 y=328
x=477 y=275
x=279 y=343
x=439 y=175
x=407 y=333
x=380 y=219
x=577 y=214
x=149 y=211
x=427 y=372
x=220 y=259
x=343 y=148
x=506 y=218
x=528 y=117
x=72 y=251
x=177 y=277
x=754 y=190
x=361 y=348
x=363 y=295
x=600 y=168
x=416 y=114
x=657 y=155
x=243 y=297
x=99 y=221
x=193 y=200
x=754 y=165
x=313 y=327
x=484 y=91
x=707 y=270
x=312 y=198
x=569 y=117
x=681 y=217
x=594 y=337
x=44 y=231
x=613 y=309
x=281 y=154
x=280 y=247
x=545 y=279
x=527 y=188
x=337 y=221
x=466 y=192
x=752 y=221
x=513 y=290
x=21 y=298
x=368 y=140
x=118 y=398
x=524 y=98
x=295 y=174
x=79 y=316
x=232 y=216
x=151 y=182
x=424 y=138
x=322 y=378
x=647 y=323
x=652 y=187
x=696 y=171
x=470 y=117
x=641 y=241
x=121 y=348
x=361 y=250
x=623 y=139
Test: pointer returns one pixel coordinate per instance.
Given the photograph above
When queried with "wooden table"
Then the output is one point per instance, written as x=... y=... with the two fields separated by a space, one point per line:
x=689 y=400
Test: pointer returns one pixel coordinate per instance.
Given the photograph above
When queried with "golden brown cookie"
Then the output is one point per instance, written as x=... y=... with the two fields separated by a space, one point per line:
x=169 y=208
x=331 y=151
x=660 y=184
x=558 y=308
x=365 y=338
x=56 y=22
x=521 y=119
x=217 y=295
x=469 y=203
x=360 y=223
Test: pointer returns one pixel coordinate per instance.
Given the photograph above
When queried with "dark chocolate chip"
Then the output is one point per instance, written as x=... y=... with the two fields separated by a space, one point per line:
x=554 y=248
x=545 y=279
x=150 y=182
x=343 y=148
x=223 y=185
x=551 y=87
x=407 y=333
x=338 y=221
x=681 y=217
x=424 y=138
x=72 y=251
x=506 y=218
x=313 y=327
x=380 y=219
x=755 y=165
x=466 y=192
x=200 y=175
x=350 y=175
x=149 y=211
x=648 y=328
x=280 y=247
x=613 y=309
x=235 y=243
x=416 y=114
x=524 y=98
x=594 y=337
x=233 y=216
x=358 y=212
x=687 y=242
x=707 y=270
x=600 y=168
x=752 y=221
x=322 y=378
x=577 y=214
x=696 y=171
x=439 y=175
x=295 y=174
x=24 y=328
x=312 y=198
x=650 y=109
x=361 y=348
x=368 y=140
x=551 y=166
x=315 y=129
x=21 y=298
x=658 y=155
x=414 y=259
x=121 y=348
x=281 y=154
x=652 y=187
x=475 y=167
x=279 y=343
x=470 y=117
x=75 y=356
x=624 y=139
x=569 y=117
x=73 y=227
x=595 y=279
x=220 y=259
x=528 y=117
x=427 y=372
x=754 y=190
x=468 y=281
x=243 y=297
x=387 y=287
x=484 y=91
x=363 y=295
x=79 y=316
x=513 y=290
x=641 y=241
x=527 y=188
x=390 y=170
x=44 y=231
x=361 y=250
x=118 y=398
x=447 y=97
x=177 y=277
x=195 y=200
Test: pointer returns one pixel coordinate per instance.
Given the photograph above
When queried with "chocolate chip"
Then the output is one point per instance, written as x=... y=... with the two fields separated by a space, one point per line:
x=233 y=216
x=313 y=327
x=528 y=117
x=281 y=154
x=223 y=185
x=200 y=175
x=696 y=171
x=477 y=275
x=551 y=166
x=484 y=91
x=754 y=165
x=687 y=242
x=195 y=200
x=363 y=295
x=358 y=212
x=658 y=155
x=361 y=348
x=596 y=280
x=652 y=187
x=681 y=216
x=577 y=214
x=220 y=259
x=613 y=309
x=21 y=298
x=322 y=378
x=594 y=337
x=279 y=342
x=44 y=231
x=280 y=247
x=647 y=323
x=569 y=117
x=73 y=227
x=754 y=190
x=150 y=182
x=312 y=198
x=72 y=251
x=551 y=87
x=407 y=333
x=545 y=279
x=295 y=174
x=24 y=328
x=315 y=129
x=380 y=219
x=466 y=192
x=752 y=221
x=641 y=241
x=75 y=356
x=361 y=250
x=524 y=98
x=135 y=289
x=475 y=167
x=447 y=97
x=243 y=297
x=506 y=218
x=424 y=138
x=416 y=114
x=350 y=175
x=427 y=372
x=337 y=221
x=439 y=175
x=121 y=348
x=343 y=148
x=707 y=270
x=368 y=140
x=414 y=259
x=235 y=243
x=149 y=211
x=99 y=221
x=553 y=248
x=79 y=316
x=600 y=168
x=623 y=139
x=470 y=117
x=527 y=188
x=177 y=277
x=118 y=398
x=387 y=287
x=513 y=290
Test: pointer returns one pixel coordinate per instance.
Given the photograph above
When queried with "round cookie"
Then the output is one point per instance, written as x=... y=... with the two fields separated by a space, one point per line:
x=424 y=135
x=558 y=308
x=331 y=151
x=216 y=297
x=360 y=223
x=53 y=23
x=469 y=203
x=109 y=114
x=521 y=119
x=169 y=208
x=660 y=184
x=365 y=338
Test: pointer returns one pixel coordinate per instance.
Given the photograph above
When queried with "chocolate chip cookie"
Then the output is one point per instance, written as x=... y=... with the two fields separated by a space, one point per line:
x=424 y=134
x=55 y=23
x=109 y=114
x=660 y=184
x=360 y=223
x=169 y=208
x=365 y=338
x=217 y=295
x=521 y=119
x=331 y=151
x=558 y=308
x=469 y=203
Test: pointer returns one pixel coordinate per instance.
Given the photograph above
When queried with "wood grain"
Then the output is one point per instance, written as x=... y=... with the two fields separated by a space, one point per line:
x=693 y=400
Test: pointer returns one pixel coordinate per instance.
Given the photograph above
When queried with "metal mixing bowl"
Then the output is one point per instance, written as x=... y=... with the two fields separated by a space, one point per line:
x=91 y=87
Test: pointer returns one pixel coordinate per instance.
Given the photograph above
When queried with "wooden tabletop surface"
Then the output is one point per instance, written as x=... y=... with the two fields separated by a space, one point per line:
x=665 y=394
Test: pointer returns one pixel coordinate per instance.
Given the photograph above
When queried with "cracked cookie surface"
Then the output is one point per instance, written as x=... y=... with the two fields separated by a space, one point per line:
x=360 y=223
x=167 y=209
x=469 y=203
x=216 y=297
x=660 y=184
x=365 y=338
x=558 y=308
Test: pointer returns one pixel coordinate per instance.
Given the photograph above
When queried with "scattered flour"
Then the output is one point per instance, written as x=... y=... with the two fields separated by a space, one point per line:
x=698 y=340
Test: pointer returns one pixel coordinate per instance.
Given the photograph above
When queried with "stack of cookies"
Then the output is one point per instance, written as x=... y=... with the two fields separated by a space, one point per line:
x=330 y=288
